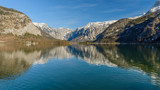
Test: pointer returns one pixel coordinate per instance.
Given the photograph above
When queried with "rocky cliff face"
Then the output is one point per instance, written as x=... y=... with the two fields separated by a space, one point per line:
x=16 y=23
x=58 y=33
x=90 y=32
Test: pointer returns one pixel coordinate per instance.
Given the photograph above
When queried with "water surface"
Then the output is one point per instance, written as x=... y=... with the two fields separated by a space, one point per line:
x=80 y=67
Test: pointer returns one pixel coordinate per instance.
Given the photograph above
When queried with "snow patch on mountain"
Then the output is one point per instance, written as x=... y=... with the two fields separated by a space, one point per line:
x=43 y=27
x=57 y=33
x=135 y=17
x=156 y=7
x=91 y=31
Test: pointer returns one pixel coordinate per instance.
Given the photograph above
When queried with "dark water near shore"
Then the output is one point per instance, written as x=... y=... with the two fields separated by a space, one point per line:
x=80 y=67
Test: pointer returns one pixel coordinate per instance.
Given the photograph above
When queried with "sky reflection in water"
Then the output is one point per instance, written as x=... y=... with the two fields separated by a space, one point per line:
x=80 y=67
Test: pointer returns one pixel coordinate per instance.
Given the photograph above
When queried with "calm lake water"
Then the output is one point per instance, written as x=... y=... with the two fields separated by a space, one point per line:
x=80 y=67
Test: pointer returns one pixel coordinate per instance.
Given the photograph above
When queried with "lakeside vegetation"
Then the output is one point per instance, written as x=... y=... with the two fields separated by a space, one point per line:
x=30 y=39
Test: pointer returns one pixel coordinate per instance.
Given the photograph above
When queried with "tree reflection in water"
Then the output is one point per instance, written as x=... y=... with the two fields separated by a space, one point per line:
x=14 y=61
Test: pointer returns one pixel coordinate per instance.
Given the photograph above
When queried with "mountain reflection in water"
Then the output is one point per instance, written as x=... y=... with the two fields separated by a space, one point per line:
x=142 y=58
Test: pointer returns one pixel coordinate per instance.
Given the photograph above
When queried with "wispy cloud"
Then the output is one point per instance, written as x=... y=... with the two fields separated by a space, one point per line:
x=86 y=5
x=113 y=10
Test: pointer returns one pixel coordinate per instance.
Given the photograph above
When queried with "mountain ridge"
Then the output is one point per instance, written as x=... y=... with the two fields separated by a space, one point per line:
x=58 y=33
x=72 y=35
x=18 y=28
x=139 y=29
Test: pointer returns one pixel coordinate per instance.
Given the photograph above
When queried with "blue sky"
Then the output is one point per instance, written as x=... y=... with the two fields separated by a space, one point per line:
x=77 y=13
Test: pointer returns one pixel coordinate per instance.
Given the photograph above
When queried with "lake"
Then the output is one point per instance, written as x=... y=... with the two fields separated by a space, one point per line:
x=80 y=67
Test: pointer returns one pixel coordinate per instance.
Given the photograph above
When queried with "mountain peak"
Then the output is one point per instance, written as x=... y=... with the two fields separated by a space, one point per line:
x=157 y=3
x=156 y=7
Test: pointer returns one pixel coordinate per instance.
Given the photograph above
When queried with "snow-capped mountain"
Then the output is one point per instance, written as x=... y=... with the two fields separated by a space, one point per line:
x=144 y=29
x=91 y=31
x=156 y=7
x=43 y=27
x=135 y=17
x=57 y=33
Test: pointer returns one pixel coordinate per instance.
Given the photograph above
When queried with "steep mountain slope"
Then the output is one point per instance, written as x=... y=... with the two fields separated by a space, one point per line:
x=17 y=28
x=145 y=29
x=58 y=33
x=16 y=23
x=141 y=29
x=90 y=32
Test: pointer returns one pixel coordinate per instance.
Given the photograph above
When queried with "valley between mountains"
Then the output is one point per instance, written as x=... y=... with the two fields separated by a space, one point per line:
x=140 y=29
x=15 y=26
